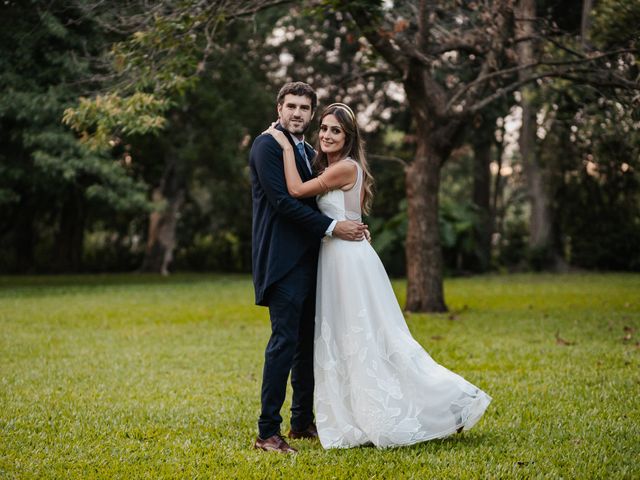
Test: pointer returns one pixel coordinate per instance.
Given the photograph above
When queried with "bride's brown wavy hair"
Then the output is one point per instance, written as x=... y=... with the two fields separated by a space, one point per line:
x=353 y=147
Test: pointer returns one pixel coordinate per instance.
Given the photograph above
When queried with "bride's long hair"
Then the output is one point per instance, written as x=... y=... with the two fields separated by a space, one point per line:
x=353 y=147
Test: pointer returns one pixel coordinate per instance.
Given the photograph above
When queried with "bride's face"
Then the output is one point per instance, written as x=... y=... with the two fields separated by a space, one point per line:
x=331 y=135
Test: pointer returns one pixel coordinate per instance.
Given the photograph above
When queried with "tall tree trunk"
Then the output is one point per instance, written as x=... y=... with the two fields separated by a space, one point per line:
x=161 y=240
x=540 y=220
x=497 y=202
x=482 y=195
x=425 y=290
x=70 y=237
x=585 y=24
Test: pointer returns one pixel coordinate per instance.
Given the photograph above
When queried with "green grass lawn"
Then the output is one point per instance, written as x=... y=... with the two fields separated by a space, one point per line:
x=149 y=377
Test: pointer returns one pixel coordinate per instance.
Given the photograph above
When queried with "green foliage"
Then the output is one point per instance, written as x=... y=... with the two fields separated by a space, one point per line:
x=147 y=377
x=603 y=219
x=592 y=151
x=513 y=252
x=101 y=118
x=111 y=250
x=183 y=80
x=457 y=223
x=153 y=66
x=213 y=252
x=42 y=60
x=213 y=133
x=388 y=239
x=616 y=23
x=163 y=57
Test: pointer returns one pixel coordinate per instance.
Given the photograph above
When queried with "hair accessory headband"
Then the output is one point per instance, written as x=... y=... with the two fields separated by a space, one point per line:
x=346 y=108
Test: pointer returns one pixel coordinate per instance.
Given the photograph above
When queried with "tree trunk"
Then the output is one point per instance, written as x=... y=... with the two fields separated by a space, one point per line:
x=482 y=196
x=425 y=290
x=540 y=220
x=497 y=202
x=70 y=237
x=585 y=24
x=161 y=240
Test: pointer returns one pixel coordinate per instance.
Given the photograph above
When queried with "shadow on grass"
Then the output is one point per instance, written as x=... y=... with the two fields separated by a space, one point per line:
x=452 y=443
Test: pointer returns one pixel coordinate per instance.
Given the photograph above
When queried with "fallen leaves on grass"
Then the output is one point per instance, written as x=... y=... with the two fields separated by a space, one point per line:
x=562 y=341
x=628 y=333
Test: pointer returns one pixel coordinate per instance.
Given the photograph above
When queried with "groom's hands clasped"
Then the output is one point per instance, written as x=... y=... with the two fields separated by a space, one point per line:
x=350 y=230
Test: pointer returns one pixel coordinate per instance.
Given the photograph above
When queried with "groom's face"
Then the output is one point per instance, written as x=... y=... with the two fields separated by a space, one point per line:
x=295 y=113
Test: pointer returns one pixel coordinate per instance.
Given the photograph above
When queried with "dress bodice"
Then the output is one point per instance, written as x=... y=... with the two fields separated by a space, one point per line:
x=343 y=205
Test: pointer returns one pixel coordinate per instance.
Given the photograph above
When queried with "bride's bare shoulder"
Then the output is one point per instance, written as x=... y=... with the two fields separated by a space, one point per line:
x=346 y=165
x=343 y=173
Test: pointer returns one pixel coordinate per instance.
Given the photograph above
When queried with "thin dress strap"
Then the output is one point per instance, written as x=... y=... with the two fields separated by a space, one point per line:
x=352 y=196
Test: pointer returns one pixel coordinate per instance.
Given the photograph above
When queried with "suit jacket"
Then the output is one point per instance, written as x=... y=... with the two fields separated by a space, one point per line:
x=284 y=228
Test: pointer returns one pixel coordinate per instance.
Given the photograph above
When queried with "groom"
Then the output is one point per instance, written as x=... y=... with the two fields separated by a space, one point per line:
x=286 y=239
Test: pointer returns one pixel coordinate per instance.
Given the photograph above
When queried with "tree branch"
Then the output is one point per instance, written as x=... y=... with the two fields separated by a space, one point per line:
x=422 y=36
x=379 y=40
x=508 y=71
x=552 y=74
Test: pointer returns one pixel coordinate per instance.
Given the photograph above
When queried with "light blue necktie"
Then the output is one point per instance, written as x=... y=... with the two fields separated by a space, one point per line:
x=303 y=154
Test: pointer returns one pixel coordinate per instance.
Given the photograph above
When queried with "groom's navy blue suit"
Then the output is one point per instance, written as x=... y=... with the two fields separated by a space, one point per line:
x=286 y=238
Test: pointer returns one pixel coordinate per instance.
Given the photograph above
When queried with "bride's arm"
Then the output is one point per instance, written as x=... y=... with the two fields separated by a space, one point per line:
x=334 y=177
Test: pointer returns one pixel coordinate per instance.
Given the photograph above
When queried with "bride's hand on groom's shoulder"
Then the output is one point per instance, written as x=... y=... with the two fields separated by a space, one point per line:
x=277 y=135
x=271 y=128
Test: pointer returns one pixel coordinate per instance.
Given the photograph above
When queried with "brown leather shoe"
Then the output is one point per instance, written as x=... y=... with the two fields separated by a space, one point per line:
x=311 y=433
x=274 y=443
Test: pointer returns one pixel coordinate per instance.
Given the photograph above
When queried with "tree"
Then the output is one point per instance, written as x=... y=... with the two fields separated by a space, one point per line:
x=50 y=182
x=540 y=218
x=157 y=63
x=454 y=58
x=589 y=149
x=483 y=141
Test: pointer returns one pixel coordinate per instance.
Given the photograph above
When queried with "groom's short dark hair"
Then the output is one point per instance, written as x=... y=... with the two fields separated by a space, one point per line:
x=298 y=88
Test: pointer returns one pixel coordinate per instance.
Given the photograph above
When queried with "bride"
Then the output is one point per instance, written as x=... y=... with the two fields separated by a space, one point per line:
x=374 y=384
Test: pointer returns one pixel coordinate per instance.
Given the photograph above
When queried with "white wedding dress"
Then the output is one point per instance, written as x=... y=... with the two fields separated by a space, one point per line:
x=374 y=384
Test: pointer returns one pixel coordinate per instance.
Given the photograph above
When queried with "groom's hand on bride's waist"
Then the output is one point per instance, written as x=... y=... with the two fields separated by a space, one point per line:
x=350 y=230
x=367 y=233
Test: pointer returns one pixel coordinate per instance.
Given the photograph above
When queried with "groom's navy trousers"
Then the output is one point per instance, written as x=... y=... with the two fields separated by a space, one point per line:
x=286 y=235
x=290 y=348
